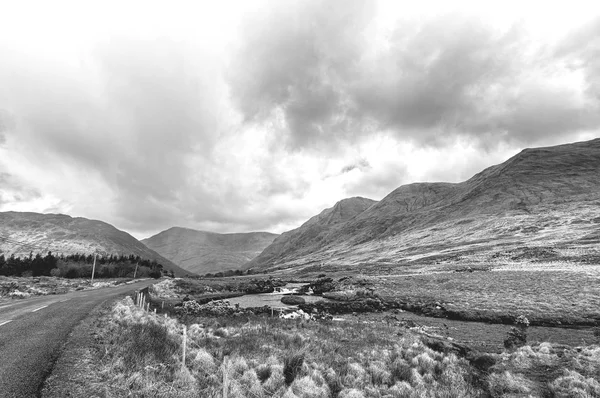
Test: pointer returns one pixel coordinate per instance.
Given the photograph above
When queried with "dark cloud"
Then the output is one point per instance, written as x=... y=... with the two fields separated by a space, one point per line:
x=292 y=60
x=360 y=165
x=447 y=75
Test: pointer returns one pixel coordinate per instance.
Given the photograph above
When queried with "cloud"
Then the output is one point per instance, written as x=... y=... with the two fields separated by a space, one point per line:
x=7 y=124
x=361 y=164
x=13 y=191
x=135 y=113
x=425 y=80
x=168 y=121
x=581 y=53
x=290 y=64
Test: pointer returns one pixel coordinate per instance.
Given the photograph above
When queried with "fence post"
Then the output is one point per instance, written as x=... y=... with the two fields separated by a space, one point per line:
x=184 y=345
x=225 y=376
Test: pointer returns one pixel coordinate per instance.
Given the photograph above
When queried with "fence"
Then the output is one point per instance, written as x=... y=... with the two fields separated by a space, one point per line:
x=142 y=298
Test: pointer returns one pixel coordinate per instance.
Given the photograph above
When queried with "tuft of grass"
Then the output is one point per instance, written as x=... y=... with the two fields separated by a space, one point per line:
x=263 y=372
x=292 y=364
x=148 y=343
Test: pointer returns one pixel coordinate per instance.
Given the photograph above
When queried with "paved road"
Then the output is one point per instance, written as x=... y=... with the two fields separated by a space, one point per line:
x=32 y=332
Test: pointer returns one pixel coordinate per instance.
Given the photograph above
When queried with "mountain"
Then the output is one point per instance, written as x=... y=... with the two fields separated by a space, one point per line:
x=63 y=234
x=299 y=241
x=543 y=200
x=203 y=252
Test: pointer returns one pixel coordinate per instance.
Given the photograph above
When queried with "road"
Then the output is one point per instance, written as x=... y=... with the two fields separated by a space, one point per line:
x=33 y=331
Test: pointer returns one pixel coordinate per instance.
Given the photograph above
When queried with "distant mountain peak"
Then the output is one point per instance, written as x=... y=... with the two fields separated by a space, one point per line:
x=203 y=252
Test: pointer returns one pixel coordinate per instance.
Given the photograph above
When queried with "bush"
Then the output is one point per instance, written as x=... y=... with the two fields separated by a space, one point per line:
x=517 y=336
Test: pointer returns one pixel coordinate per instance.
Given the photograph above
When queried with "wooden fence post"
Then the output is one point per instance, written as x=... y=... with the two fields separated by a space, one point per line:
x=184 y=345
x=225 y=376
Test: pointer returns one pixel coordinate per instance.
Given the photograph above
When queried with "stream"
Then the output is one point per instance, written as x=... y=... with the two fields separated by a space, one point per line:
x=273 y=300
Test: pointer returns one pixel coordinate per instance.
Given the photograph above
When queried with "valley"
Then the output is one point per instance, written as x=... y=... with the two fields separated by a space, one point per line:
x=489 y=287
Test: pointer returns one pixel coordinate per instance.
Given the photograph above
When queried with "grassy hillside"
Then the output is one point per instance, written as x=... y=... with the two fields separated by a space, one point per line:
x=299 y=241
x=63 y=234
x=540 y=198
x=203 y=252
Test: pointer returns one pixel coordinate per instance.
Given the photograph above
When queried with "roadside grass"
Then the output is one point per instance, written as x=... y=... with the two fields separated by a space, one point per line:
x=553 y=296
x=139 y=354
x=23 y=287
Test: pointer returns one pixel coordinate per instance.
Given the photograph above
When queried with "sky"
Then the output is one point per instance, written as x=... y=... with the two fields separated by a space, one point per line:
x=239 y=116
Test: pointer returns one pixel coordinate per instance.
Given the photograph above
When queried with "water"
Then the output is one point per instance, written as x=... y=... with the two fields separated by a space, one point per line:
x=273 y=300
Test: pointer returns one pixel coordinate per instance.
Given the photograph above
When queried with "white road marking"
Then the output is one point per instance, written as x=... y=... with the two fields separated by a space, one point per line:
x=37 y=309
x=5 y=322
x=62 y=301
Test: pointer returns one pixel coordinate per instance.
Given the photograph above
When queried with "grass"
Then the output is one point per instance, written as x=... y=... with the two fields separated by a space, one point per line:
x=547 y=370
x=138 y=354
x=553 y=296
x=12 y=287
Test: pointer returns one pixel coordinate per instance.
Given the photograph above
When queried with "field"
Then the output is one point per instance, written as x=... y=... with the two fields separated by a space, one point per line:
x=551 y=297
x=139 y=354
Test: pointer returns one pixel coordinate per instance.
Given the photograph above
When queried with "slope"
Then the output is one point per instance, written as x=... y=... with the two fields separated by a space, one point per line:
x=542 y=197
x=63 y=234
x=203 y=252
x=298 y=241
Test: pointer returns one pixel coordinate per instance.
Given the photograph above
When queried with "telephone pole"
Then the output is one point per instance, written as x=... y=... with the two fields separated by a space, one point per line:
x=94 y=267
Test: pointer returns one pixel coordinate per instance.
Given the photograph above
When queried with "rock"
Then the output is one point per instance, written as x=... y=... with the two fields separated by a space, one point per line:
x=293 y=300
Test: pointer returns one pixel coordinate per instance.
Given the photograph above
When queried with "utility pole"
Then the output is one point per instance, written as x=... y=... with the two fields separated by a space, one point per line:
x=94 y=267
x=135 y=272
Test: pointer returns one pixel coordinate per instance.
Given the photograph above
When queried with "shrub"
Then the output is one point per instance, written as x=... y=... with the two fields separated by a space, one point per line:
x=517 y=336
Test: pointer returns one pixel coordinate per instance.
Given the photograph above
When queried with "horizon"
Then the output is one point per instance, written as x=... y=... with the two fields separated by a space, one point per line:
x=141 y=238
x=255 y=116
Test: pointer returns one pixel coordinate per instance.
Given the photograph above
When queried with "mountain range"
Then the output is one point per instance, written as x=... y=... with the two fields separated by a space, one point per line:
x=541 y=198
x=22 y=233
x=542 y=204
x=208 y=252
